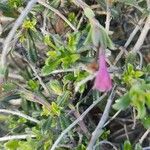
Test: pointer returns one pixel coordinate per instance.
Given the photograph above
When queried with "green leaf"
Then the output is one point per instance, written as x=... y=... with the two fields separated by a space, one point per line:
x=146 y=121
x=33 y=85
x=105 y=39
x=64 y=122
x=122 y=103
x=29 y=24
x=47 y=69
x=89 y=13
x=73 y=40
x=7 y=87
x=81 y=147
x=46 y=124
x=52 y=54
x=64 y=98
x=141 y=110
x=3 y=71
x=47 y=144
x=130 y=68
x=7 y=10
x=69 y=77
x=56 y=87
x=131 y=58
x=130 y=2
x=88 y=38
x=25 y=146
x=138 y=147
x=49 y=42
x=45 y=111
x=127 y=145
x=15 y=3
x=55 y=109
x=147 y=99
x=138 y=74
x=11 y=145
x=69 y=59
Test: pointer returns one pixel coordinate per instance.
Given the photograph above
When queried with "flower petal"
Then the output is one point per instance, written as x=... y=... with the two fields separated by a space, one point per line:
x=102 y=81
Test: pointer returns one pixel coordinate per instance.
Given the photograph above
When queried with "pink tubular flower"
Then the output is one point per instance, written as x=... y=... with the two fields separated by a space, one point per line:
x=102 y=81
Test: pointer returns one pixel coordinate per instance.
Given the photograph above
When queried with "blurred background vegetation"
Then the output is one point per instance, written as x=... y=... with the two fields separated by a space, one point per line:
x=50 y=70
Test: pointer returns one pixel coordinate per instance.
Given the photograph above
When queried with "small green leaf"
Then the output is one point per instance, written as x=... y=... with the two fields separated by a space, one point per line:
x=147 y=99
x=55 y=109
x=122 y=103
x=141 y=110
x=64 y=122
x=88 y=38
x=81 y=147
x=130 y=68
x=15 y=3
x=146 y=122
x=69 y=59
x=2 y=71
x=89 y=13
x=45 y=111
x=131 y=58
x=138 y=147
x=8 y=86
x=127 y=145
x=29 y=24
x=56 y=87
x=52 y=54
x=47 y=69
x=48 y=42
x=33 y=85
x=105 y=39
x=138 y=74
x=11 y=145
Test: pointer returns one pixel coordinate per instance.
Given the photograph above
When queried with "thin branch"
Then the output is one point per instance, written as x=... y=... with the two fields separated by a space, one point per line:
x=76 y=122
x=80 y=67
x=90 y=77
x=105 y=142
x=16 y=137
x=34 y=97
x=11 y=34
x=58 y=13
x=144 y=136
x=134 y=32
x=126 y=132
x=112 y=118
x=141 y=60
x=146 y=148
x=20 y=114
x=15 y=77
x=39 y=78
x=108 y=16
x=80 y=21
x=134 y=118
x=4 y=19
x=142 y=36
x=81 y=123
x=99 y=129
x=148 y=4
